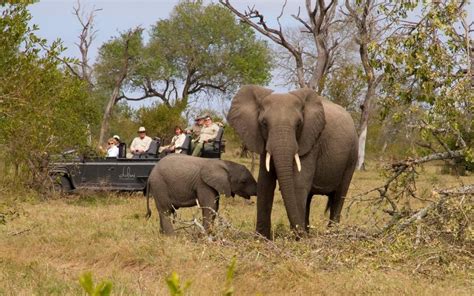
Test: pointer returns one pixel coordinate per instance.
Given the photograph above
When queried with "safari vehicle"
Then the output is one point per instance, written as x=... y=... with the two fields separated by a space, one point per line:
x=71 y=172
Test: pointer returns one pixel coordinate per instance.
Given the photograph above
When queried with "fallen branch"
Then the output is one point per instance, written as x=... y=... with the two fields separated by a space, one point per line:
x=401 y=167
x=445 y=194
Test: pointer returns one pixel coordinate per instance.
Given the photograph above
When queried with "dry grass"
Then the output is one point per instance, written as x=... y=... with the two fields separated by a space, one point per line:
x=45 y=246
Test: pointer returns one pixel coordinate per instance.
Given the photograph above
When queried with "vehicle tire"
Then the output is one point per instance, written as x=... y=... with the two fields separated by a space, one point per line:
x=61 y=184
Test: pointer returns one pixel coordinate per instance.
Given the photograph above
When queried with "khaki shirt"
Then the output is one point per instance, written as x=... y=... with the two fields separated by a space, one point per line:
x=208 y=133
x=142 y=144
x=196 y=131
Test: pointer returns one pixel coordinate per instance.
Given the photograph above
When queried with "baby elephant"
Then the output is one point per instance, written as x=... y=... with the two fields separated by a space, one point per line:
x=179 y=180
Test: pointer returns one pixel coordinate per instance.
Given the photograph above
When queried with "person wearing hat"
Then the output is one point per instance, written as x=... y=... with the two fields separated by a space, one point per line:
x=117 y=138
x=195 y=130
x=112 y=148
x=208 y=134
x=141 y=143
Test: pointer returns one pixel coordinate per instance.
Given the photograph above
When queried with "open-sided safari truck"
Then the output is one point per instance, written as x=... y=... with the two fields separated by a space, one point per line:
x=71 y=172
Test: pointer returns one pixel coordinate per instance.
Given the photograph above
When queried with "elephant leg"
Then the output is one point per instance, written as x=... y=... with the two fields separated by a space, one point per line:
x=209 y=201
x=336 y=198
x=265 y=191
x=165 y=223
x=165 y=211
x=164 y=207
x=308 y=208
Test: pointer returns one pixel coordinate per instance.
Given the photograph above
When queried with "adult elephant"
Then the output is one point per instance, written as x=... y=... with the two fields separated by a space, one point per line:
x=306 y=142
x=179 y=181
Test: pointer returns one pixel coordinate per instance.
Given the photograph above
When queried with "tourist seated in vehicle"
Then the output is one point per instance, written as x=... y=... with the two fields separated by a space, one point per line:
x=112 y=148
x=117 y=138
x=207 y=134
x=176 y=142
x=122 y=147
x=195 y=129
x=141 y=143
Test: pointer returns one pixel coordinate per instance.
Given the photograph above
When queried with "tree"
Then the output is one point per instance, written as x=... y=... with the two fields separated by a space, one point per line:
x=426 y=66
x=427 y=86
x=42 y=109
x=118 y=59
x=363 y=13
x=160 y=120
x=214 y=54
x=318 y=24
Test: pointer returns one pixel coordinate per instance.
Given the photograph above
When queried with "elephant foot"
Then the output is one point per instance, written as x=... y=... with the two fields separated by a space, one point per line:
x=266 y=233
x=300 y=232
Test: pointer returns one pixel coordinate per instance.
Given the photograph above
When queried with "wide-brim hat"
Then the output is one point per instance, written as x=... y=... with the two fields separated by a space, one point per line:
x=203 y=116
x=141 y=129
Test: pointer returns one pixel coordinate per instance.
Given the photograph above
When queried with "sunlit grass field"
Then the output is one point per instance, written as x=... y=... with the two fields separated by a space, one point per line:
x=45 y=246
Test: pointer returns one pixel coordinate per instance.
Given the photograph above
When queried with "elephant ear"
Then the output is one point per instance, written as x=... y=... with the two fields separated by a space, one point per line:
x=314 y=119
x=243 y=115
x=217 y=177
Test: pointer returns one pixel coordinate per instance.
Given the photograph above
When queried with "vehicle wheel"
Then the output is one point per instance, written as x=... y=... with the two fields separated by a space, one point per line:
x=61 y=184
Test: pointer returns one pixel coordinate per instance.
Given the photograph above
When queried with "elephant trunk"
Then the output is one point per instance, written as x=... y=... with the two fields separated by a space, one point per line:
x=283 y=155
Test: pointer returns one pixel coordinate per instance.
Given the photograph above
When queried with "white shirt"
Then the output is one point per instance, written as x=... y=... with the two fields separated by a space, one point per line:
x=178 y=141
x=142 y=144
x=113 y=151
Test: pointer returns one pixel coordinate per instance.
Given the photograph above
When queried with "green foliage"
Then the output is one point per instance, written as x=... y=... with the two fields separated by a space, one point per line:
x=205 y=47
x=42 y=109
x=124 y=122
x=424 y=75
x=160 y=120
x=344 y=86
x=104 y=288
x=229 y=288
x=113 y=56
x=175 y=286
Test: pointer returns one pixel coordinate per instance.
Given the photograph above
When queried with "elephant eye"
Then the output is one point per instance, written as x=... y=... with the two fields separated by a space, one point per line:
x=264 y=122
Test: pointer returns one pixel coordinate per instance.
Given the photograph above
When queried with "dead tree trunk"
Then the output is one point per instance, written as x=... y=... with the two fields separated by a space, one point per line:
x=361 y=15
x=114 y=97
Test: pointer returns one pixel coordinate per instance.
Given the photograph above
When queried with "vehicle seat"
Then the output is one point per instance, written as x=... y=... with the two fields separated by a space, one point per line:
x=214 y=148
x=186 y=147
x=152 y=151
x=122 y=150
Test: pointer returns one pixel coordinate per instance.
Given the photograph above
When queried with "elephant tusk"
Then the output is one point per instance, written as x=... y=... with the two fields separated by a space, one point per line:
x=267 y=162
x=298 y=162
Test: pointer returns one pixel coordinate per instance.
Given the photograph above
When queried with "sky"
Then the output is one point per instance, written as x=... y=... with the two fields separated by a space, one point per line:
x=56 y=19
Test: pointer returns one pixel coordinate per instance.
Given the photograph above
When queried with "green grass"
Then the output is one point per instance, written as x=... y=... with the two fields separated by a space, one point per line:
x=46 y=246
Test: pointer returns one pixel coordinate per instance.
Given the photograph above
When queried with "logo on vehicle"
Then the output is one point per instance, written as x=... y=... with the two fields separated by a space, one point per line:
x=126 y=174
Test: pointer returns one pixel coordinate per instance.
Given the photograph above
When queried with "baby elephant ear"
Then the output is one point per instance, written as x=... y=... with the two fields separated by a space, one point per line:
x=217 y=177
x=243 y=115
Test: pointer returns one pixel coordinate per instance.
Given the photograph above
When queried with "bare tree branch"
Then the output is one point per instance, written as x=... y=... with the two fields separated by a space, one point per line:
x=86 y=37
x=275 y=35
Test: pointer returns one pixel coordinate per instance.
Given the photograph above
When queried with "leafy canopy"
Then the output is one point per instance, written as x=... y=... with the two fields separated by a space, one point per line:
x=427 y=74
x=43 y=110
x=203 y=48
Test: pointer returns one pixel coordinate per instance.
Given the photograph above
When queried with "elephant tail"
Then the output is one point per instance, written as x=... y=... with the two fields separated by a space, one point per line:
x=147 y=194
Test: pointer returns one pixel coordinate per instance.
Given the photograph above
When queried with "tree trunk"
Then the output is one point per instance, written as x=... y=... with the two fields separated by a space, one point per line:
x=320 y=69
x=364 y=122
x=104 y=128
x=362 y=141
